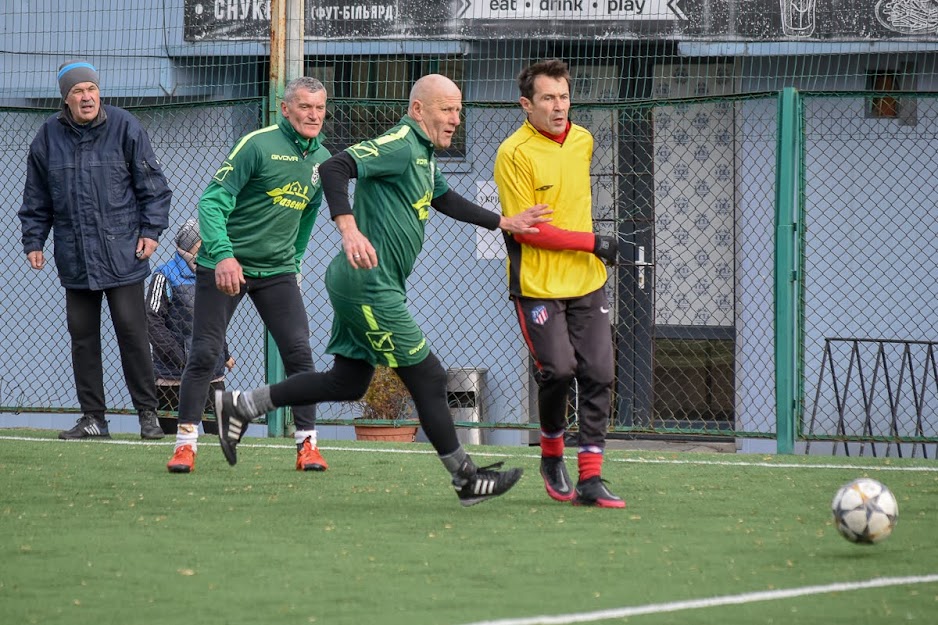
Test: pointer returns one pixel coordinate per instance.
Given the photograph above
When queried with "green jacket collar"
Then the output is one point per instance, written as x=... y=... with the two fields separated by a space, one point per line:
x=410 y=121
x=306 y=146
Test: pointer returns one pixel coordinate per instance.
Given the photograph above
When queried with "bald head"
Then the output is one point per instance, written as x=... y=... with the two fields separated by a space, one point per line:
x=435 y=103
x=432 y=86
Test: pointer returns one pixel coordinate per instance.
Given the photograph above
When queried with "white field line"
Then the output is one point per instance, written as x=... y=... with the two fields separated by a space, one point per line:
x=694 y=604
x=209 y=440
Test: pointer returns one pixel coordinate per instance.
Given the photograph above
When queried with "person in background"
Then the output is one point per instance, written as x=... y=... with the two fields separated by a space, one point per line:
x=94 y=182
x=557 y=277
x=398 y=182
x=170 y=304
x=255 y=217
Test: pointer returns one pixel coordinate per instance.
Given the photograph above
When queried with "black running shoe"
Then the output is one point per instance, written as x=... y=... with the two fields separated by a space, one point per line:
x=150 y=425
x=556 y=479
x=593 y=492
x=233 y=420
x=88 y=426
x=475 y=485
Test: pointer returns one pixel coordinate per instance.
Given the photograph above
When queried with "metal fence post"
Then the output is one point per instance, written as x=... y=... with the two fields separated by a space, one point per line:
x=787 y=262
x=286 y=63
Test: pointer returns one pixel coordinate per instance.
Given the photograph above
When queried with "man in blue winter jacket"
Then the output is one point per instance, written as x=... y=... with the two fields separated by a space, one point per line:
x=93 y=180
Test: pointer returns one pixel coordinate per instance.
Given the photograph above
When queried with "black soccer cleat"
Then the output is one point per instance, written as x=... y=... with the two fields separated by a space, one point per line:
x=556 y=479
x=475 y=485
x=233 y=420
x=593 y=492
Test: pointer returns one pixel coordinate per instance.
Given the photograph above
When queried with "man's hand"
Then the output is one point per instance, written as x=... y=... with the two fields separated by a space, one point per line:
x=145 y=248
x=607 y=248
x=359 y=251
x=229 y=276
x=36 y=259
x=523 y=223
x=230 y=363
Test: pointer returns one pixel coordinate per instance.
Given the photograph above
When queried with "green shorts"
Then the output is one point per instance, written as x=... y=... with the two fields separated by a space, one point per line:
x=382 y=333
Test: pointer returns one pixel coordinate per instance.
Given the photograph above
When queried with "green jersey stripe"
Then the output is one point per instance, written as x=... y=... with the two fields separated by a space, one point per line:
x=245 y=138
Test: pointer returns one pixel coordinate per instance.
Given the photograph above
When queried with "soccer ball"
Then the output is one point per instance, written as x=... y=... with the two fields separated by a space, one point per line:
x=865 y=511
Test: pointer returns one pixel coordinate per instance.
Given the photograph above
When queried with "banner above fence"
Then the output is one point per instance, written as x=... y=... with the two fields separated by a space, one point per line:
x=726 y=20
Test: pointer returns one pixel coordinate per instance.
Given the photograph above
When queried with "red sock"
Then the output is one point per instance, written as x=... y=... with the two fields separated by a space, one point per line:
x=552 y=446
x=590 y=464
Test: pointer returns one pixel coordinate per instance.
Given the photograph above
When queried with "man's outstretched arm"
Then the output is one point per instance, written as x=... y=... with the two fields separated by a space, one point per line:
x=459 y=208
x=553 y=238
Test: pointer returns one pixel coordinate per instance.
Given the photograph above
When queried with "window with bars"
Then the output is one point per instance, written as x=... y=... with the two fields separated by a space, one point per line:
x=369 y=94
x=883 y=104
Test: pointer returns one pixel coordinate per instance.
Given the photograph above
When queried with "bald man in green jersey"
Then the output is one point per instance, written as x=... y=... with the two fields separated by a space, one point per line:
x=398 y=182
x=255 y=217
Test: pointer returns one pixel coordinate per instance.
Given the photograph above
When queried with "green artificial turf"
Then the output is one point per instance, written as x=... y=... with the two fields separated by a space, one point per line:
x=93 y=532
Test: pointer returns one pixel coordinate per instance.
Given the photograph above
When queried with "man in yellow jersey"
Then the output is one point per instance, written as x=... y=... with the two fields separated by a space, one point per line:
x=556 y=279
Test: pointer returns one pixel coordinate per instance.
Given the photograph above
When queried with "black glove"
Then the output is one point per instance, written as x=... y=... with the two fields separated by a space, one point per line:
x=607 y=249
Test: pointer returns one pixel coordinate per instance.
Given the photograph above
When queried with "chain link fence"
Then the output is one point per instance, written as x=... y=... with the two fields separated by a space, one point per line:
x=190 y=142
x=687 y=183
x=870 y=294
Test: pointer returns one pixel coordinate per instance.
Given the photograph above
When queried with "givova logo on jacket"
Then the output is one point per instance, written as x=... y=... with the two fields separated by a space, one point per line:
x=291 y=195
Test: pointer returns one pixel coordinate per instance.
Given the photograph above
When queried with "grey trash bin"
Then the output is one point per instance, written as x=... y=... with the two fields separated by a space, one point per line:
x=465 y=394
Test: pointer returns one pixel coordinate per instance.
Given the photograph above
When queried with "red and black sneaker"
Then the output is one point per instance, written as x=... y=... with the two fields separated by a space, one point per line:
x=593 y=492
x=183 y=460
x=308 y=458
x=556 y=479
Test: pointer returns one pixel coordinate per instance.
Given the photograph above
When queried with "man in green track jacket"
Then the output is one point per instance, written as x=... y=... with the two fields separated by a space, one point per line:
x=256 y=216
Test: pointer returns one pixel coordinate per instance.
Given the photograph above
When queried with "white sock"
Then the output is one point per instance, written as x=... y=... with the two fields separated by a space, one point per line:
x=187 y=434
x=301 y=435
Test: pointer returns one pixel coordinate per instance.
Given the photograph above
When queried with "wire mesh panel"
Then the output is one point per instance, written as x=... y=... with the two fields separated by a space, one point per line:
x=680 y=99
x=714 y=183
x=870 y=288
x=691 y=236
x=690 y=358
x=685 y=186
x=190 y=142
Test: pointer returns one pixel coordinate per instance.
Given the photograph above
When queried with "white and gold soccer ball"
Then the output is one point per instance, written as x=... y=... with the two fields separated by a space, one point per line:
x=865 y=511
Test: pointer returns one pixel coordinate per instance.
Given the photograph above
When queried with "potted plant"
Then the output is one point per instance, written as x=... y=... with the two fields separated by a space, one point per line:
x=387 y=399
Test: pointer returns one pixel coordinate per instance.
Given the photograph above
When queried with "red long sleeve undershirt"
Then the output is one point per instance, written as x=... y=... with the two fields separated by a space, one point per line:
x=554 y=238
x=551 y=237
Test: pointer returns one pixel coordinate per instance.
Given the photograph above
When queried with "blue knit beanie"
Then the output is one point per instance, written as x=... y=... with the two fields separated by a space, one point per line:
x=73 y=72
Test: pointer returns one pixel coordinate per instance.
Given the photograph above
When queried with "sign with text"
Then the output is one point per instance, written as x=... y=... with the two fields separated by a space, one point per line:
x=688 y=20
x=604 y=10
x=490 y=244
